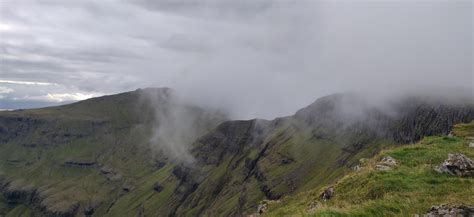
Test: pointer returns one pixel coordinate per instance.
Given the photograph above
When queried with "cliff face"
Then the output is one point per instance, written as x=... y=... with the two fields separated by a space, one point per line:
x=403 y=120
x=95 y=157
x=419 y=120
x=245 y=161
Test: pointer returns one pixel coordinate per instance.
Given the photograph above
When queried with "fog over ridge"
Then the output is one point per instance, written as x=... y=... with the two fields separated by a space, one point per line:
x=260 y=59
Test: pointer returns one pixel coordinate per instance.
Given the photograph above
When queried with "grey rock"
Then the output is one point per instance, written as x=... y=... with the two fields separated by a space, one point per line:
x=387 y=163
x=262 y=207
x=158 y=187
x=450 y=211
x=457 y=164
x=357 y=167
x=327 y=194
x=110 y=173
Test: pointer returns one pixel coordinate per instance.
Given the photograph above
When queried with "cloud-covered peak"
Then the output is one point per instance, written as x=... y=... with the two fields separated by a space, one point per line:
x=258 y=58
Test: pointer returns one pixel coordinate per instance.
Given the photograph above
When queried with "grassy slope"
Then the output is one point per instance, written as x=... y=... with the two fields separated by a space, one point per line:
x=223 y=191
x=28 y=168
x=314 y=162
x=103 y=130
x=315 y=165
x=412 y=187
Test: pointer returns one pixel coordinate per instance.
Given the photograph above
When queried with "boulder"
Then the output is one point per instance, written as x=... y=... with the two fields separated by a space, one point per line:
x=457 y=164
x=450 y=211
x=387 y=163
x=89 y=211
x=262 y=206
x=327 y=194
x=110 y=173
x=158 y=187
x=357 y=167
x=361 y=165
x=127 y=187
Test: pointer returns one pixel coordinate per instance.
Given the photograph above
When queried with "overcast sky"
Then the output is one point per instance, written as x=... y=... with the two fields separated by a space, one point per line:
x=258 y=58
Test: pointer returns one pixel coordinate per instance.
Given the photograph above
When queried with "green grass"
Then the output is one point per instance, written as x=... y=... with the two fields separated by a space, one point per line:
x=112 y=131
x=412 y=187
x=464 y=130
x=41 y=167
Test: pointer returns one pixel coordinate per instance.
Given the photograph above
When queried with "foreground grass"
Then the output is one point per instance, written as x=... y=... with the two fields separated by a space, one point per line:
x=410 y=188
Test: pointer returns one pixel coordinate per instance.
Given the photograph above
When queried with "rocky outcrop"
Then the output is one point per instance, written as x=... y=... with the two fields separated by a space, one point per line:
x=187 y=183
x=12 y=127
x=262 y=207
x=79 y=164
x=327 y=120
x=229 y=138
x=15 y=194
x=418 y=118
x=158 y=187
x=407 y=120
x=450 y=211
x=37 y=131
x=110 y=173
x=387 y=163
x=458 y=165
x=327 y=194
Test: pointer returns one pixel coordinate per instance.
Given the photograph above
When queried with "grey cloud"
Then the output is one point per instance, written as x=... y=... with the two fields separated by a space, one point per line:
x=208 y=9
x=33 y=76
x=186 y=43
x=25 y=104
x=17 y=65
x=257 y=58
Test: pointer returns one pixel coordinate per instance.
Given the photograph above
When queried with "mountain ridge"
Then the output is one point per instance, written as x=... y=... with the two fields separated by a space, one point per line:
x=236 y=163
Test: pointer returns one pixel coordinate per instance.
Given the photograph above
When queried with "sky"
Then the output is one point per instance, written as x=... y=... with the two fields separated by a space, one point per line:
x=255 y=58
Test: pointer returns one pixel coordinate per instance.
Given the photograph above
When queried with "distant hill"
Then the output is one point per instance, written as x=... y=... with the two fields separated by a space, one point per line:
x=146 y=153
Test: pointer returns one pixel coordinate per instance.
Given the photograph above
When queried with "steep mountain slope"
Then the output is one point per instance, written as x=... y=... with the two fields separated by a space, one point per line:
x=242 y=161
x=413 y=186
x=79 y=158
x=98 y=157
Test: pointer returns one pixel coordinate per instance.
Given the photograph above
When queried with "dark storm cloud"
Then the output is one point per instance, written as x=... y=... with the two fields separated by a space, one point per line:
x=258 y=58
